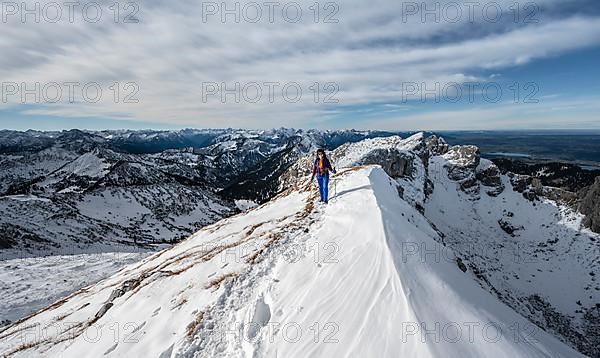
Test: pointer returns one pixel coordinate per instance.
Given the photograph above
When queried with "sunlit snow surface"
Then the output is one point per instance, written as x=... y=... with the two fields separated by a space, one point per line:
x=29 y=284
x=292 y=278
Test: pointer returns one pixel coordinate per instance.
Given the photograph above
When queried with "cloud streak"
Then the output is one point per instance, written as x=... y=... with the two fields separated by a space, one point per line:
x=368 y=54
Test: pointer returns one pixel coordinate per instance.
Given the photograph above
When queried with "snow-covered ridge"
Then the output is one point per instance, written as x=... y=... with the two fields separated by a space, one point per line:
x=292 y=279
x=417 y=235
x=525 y=248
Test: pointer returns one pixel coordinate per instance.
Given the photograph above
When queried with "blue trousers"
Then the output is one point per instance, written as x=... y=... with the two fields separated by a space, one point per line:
x=323 y=187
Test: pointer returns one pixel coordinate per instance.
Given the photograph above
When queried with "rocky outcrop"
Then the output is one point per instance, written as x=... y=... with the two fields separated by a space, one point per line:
x=560 y=195
x=507 y=227
x=462 y=162
x=437 y=145
x=590 y=206
x=533 y=189
x=394 y=162
x=525 y=185
x=490 y=178
x=559 y=182
x=466 y=167
x=464 y=156
x=567 y=176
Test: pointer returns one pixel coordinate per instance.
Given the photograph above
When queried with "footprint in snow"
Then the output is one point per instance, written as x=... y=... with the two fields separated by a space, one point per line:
x=111 y=349
x=139 y=327
x=156 y=311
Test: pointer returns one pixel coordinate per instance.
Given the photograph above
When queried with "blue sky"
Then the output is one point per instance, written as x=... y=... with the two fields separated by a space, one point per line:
x=378 y=56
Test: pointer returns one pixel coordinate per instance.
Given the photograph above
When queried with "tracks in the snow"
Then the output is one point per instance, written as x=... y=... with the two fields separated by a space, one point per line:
x=240 y=289
x=145 y=273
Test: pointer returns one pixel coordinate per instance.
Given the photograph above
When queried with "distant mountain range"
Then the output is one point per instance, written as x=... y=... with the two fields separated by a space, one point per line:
x=80 y=191
x=75 y=191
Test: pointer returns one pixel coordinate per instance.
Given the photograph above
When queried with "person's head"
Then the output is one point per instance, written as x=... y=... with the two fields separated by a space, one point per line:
x=320 y=153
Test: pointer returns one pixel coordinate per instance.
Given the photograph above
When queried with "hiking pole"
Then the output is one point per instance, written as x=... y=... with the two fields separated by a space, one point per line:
x=335 y=186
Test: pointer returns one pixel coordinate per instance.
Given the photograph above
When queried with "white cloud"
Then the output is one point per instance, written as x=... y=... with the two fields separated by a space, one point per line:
x=170 y=53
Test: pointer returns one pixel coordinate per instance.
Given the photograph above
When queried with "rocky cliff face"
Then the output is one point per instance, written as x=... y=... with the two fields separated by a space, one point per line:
x=590 y=205
x=472 y=173
x=437 y=145
x=394 y=162
x=563 y=183
x=513 y=230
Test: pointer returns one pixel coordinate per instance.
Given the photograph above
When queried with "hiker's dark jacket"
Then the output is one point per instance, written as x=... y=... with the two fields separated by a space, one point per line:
x=322 y=169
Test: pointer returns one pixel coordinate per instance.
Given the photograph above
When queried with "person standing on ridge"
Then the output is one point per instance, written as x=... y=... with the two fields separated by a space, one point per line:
x=321 y=169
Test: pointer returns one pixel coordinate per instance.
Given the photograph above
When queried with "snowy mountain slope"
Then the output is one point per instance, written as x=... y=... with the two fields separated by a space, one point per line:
x=103 y=200
x=22 y=168
x=294 y=280
x=129 y=190
x=80 y=192
x=525 y=249
x=501 y=231
x=29 y=284
x=375 y=297
x=180 y=268
x=106 y=219
x=534 y=255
